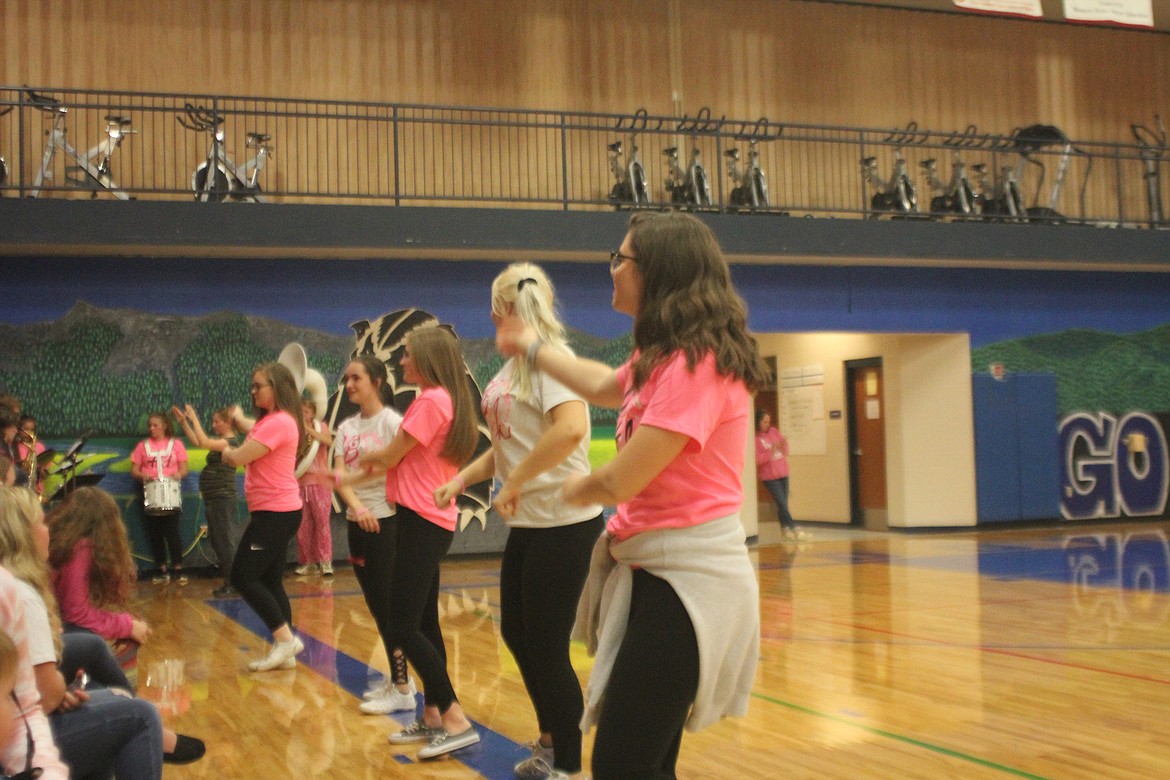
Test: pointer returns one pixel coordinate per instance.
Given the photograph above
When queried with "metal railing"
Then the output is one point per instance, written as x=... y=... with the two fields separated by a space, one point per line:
x=410 y=155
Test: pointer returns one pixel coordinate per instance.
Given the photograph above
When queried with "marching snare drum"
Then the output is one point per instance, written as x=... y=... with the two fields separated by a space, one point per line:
x=162 y=496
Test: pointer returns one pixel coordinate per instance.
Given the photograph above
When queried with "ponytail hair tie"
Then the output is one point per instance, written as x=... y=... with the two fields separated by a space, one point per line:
x=524 y=281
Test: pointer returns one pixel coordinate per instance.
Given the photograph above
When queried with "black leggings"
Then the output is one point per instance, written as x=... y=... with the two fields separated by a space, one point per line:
x=163 y=534
x=258 y=570
x=372 y=556
x=650 y=691
x=414 y=603
x=541 y=576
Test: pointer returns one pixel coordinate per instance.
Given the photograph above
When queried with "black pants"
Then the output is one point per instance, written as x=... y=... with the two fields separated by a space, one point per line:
x=414 y=603
x=163 y=534
x=541 y=576
x=373 y=556
x=650 y=691
x=258 y=569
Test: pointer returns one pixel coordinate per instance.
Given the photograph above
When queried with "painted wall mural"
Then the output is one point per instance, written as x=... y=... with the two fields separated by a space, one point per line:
x=96 y=344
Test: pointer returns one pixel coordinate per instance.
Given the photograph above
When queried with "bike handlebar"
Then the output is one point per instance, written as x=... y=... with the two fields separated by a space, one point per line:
x=1147 y=138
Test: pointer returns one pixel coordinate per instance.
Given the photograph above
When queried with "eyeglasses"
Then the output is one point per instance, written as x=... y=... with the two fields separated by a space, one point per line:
x=256 y=386
x=616 y=259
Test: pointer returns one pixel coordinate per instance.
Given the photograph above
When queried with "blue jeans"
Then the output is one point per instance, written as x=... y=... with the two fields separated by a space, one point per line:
x=110 y=734
x=84 y=650
x=779 y=490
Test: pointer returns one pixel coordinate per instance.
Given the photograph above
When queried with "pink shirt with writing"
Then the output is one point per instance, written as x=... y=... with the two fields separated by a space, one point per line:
x=703 y=482
x=270 y=484
x=771 y=454
x=412 y=482
x=148 y=463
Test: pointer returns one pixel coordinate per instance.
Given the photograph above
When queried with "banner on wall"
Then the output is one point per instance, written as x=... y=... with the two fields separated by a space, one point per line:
x=1133 y=13
x=1010 y=7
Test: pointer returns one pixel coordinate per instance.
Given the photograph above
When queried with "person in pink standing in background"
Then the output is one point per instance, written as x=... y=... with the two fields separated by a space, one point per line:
x=314 y=537
x=162 y=456
x=772 y=468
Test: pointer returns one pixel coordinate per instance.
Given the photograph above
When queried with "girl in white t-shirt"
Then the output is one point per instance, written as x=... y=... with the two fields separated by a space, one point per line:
x=673 y=564
x=540 y=438
x=369 y=530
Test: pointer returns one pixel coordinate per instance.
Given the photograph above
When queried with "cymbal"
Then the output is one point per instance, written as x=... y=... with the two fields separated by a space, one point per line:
x=46 y=457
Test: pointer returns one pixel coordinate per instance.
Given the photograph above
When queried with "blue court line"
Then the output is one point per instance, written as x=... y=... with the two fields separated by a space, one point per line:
x=495 y=755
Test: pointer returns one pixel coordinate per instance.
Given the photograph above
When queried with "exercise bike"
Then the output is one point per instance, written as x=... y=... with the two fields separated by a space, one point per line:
x=219 y=177
x=896 y=195
x=4 y=163
x=1002 y=199
x=958 y=196
x=630 y=185
x=91 y=170
x=1152 y=148
x=689 y=187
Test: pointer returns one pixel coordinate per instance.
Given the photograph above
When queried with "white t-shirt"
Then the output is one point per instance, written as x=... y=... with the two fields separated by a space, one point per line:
x=516 y=426
x=357 y=435
x=36 y=622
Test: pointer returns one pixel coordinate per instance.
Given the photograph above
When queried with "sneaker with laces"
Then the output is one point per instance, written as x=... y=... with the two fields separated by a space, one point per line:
x=326 y=569
x=449 y=743
x=305 y=570
x=416 y=732
x=538 y=766
x=283 y=655
x=393 y=700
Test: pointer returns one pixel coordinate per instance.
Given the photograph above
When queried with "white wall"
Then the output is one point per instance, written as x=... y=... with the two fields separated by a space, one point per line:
x=930 y=439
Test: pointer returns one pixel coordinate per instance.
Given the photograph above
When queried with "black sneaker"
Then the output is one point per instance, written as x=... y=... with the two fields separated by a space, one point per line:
x=223 y=592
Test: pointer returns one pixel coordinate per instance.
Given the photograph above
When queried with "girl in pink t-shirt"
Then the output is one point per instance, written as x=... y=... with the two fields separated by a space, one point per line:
x=685 y=401
x=275 y=442
x=438 y=434
x=161 y=460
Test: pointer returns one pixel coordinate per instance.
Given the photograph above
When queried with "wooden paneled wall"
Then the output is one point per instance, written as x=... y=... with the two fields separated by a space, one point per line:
x=792 y=61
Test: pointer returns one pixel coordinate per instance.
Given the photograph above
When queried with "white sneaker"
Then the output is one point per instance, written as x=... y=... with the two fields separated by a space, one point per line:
x=326 y=569
x=538 y=766
x=305 y=570
x=378 y=690
x=394 y=700
x=283 y=655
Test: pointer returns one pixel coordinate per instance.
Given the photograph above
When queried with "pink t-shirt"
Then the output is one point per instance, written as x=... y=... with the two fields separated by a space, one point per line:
x=269 y=481
x=703 y=482
x=771 y=454
x=71 y=587
x=412 y=482
x=147 y=462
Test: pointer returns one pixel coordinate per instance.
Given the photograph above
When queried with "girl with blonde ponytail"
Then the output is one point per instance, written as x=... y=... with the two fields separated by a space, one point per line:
x=540 y=438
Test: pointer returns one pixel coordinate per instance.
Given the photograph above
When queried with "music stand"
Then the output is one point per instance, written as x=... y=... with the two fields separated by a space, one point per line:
x=75 y=481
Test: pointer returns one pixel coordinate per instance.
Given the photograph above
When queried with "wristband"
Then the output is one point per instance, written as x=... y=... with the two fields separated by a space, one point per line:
x=533 y=348
x=462 y=484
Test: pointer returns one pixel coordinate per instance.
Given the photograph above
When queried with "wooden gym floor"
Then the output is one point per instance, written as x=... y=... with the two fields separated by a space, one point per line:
x=1034 y=653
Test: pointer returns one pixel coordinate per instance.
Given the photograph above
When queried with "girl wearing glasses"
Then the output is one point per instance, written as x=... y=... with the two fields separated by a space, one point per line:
x=275 y=443
x=678 y=644
x=540 y=438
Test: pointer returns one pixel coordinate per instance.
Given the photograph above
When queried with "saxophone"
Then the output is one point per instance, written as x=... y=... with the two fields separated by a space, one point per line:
x=29 y=464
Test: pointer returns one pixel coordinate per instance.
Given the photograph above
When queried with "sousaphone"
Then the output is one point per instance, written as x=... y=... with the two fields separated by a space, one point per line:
x=309 y=381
